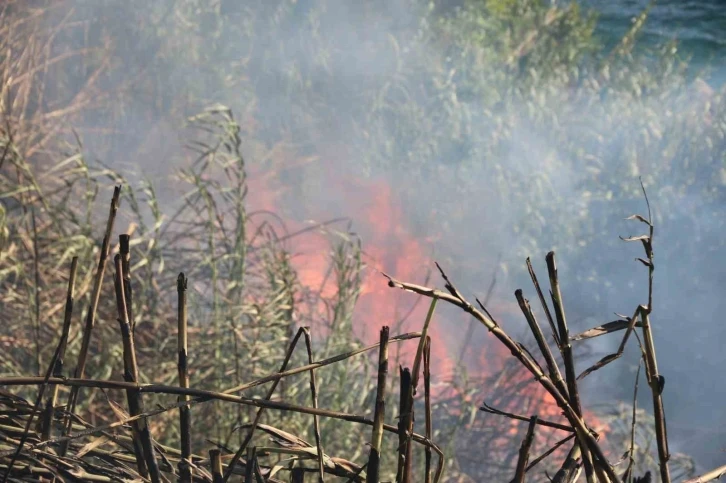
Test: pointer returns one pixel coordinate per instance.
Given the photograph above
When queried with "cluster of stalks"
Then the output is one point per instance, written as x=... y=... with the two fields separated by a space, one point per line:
x=49 y=440
x=39 y=452
x=586 y=452
x=202 y=380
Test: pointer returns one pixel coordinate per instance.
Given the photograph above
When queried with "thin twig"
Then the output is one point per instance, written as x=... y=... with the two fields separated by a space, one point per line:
x=258 y=416
x=58 y=369
x=314 y=397
x=427 y=404
x=628 y=476
x=524 y=451
x=542 y=422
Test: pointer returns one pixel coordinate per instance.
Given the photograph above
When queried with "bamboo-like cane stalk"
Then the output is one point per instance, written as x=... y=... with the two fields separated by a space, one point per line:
x=656 y=391
x=131 y=374
x=455 y=298
x=405 y=411
x=256 y=467
x=185 y=425
x=524 y=451
x=412 y=388
x=297 y=475
x=249 y=464
x=374 y=457
x=215 y=464
x=314 y=396
x=36 y=407
x=427 y=404
x=58 y=369
x=567 y=357
x=125 y=252
x=36 y=297
x=80 y=370
x=543 y=302
x=569 y=466
x=714 y=474
x=544 y=455
x=544 y=348
x=655 y=379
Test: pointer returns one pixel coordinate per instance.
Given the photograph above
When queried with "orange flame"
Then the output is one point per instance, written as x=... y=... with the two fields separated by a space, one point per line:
x=390 y=247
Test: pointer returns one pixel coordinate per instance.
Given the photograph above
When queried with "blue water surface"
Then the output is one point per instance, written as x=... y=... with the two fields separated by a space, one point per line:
x=699 y=26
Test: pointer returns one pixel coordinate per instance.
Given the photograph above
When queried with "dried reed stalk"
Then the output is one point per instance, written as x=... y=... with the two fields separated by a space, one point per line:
x=249 y=465
x=455 y=298
x=58 y=369
x=314 y=397
x=51 y=368
x=258 y=415
x=714 y=474
x=405 y=419
x=185 y=425
x=570 y=373
x=80 y=370
x=374 y=457
x=215 y=462
x=427 y=405
x=142 y=434
x=524 y=451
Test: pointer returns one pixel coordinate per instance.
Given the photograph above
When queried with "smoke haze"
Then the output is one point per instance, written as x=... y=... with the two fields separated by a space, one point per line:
x=480 y=169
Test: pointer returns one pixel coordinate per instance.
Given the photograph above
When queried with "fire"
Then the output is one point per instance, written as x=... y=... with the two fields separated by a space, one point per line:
x=390 y=247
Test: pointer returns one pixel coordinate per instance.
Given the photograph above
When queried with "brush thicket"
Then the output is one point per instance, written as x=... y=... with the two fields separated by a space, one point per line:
x=183 y=340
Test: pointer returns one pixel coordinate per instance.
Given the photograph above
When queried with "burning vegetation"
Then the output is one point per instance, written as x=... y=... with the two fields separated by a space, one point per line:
x=178 y=352
x=175 y=350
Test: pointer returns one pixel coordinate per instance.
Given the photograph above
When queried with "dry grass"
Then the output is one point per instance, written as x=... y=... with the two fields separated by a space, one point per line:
x=216 y=376
x=238 y=312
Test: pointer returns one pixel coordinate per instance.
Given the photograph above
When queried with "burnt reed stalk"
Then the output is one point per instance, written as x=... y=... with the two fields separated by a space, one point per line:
x=544 y=348
x=124 y=242
x=655 y=380
x=374 y=457
x=524 y=451
x=185 y=425
x=314 y=397
x=297 y=475
x=455 y=298
x=41 y=391
x=405 y=419
x=427 y=404
x=412 y=388
x=142 y=432
x=136 y=441
x=570 y=373
x=49 y=414
x=260 y=411
x=215 y=465
x=80 y=370
x=249 y=464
